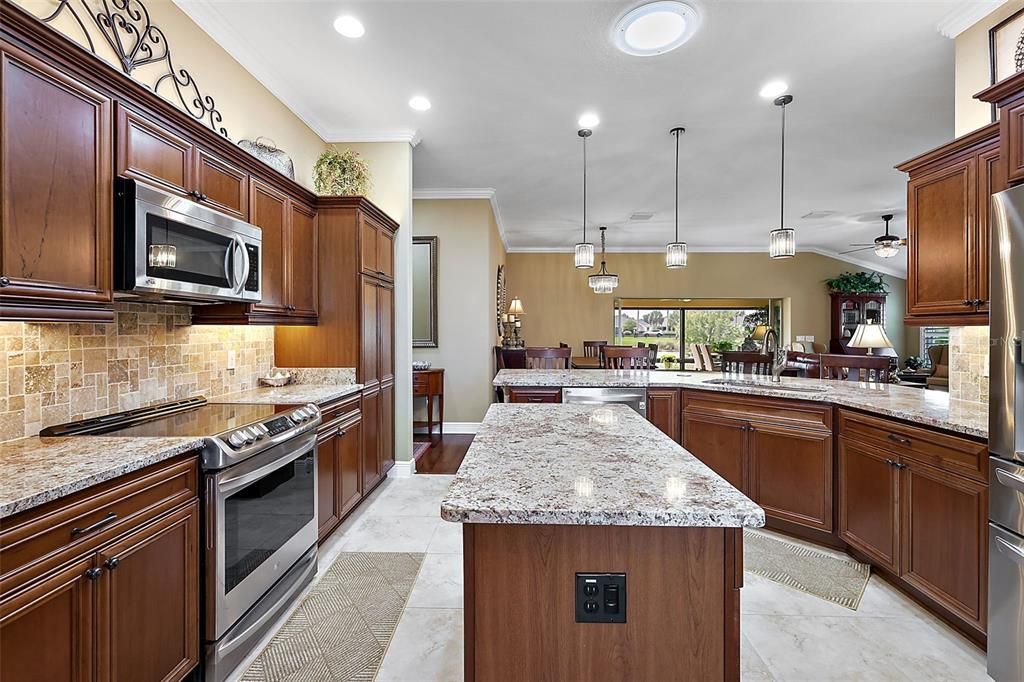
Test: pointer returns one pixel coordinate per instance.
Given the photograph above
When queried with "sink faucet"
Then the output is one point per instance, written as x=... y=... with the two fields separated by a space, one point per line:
x=779 y=355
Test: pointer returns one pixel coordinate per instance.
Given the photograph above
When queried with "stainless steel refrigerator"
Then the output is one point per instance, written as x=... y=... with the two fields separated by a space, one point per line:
x=1006 y=441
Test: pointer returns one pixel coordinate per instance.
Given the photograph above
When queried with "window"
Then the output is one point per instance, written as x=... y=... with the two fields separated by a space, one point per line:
x=932 y=336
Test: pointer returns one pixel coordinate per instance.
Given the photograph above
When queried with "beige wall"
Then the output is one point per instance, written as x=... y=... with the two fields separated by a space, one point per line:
x=248 y=108
x=469 y=252
x=972 y=70
x=561 y=307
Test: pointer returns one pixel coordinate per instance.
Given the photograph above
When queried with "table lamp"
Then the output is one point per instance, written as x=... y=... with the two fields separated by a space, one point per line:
x=870 y=336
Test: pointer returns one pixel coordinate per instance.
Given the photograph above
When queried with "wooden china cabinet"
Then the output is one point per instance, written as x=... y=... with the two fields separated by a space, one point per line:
x=847 y=312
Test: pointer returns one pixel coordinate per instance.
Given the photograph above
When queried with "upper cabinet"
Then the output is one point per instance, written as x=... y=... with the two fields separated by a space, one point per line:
x=376 y=248
x=948 y=216
x=222 y=186
x=56 y=187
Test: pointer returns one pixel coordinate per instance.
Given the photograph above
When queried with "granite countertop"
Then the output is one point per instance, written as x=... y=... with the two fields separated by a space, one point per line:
x=37 y=470
x=587 y=465
x=923 y=407
x=292 y=393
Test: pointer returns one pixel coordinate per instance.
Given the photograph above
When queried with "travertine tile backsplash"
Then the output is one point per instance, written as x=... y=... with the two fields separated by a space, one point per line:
x=57 y=372
x=968 y=363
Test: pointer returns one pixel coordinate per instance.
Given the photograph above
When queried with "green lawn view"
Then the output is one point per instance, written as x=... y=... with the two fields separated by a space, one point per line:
x=728 y=329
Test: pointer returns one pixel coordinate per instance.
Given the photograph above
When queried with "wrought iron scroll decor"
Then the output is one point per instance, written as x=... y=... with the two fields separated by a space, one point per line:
x=126 y=27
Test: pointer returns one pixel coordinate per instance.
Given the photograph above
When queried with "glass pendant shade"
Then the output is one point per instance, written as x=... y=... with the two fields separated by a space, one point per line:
x=162 y=255
x=675 y=255
x=603 y=282
x=886 y=249
x=584 y=255
x=782 y=243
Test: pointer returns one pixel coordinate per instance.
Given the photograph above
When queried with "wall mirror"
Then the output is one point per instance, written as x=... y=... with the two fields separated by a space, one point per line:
x=424 y=292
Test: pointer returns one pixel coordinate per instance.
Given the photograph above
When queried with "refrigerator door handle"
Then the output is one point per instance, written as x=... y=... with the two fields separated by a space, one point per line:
x=1010 y=480
x=1014 y=553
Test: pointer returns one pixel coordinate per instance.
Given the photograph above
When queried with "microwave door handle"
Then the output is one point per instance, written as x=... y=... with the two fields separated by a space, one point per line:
x=244 y=257
x=228 y=270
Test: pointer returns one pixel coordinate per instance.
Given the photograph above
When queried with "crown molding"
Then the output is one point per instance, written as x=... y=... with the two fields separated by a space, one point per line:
x=965 y=15
x=343 y=135
x=488 y=193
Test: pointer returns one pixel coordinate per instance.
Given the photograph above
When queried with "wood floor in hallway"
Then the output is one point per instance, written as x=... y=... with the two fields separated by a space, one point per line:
x=446 y=455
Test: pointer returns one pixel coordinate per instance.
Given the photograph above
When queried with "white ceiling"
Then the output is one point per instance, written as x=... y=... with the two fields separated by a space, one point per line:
x=873 y=86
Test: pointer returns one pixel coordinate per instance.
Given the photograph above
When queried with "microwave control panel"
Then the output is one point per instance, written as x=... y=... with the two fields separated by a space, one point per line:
x=253 y=283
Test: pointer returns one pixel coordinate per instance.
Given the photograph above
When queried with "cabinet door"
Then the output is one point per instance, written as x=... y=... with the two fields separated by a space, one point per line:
x=222 y=186
x=385 y=253
x=47 y=629
x=56 y=185
x=327 y=483
x=942 y=217
x=153 y=154
x=371 y=438
x=148 y=606
x=386 y=336
x=944 y=543
x=1011 y=134
x=369 y=364
x=663 y=411
x=990 y=182
x=268 y=210
x=791 y=474
x=721 y=443
x=349 y=453
x=535 y=395
x=367 y=246
x=868 y=502
x=386 y=438
x=302 y=260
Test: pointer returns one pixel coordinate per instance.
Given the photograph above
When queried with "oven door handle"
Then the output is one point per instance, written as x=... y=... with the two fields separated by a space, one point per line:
x=233 y=483
x=1012 y=552
x=1010 y=480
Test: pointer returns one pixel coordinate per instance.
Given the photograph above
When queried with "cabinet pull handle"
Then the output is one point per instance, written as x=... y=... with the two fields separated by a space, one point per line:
x=5 y=282
x=112 y=562
x=106 y=520
x=899 y=439
x=890 y=462
x=978 y=301
x=966 y=302
x=94 y=573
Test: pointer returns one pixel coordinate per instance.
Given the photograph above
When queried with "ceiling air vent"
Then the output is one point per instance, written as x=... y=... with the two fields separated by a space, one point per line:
x=641 y=215
x=818 y=215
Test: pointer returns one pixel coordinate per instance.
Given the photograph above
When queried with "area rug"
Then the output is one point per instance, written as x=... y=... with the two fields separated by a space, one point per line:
x=344 y=625
x=841 y=581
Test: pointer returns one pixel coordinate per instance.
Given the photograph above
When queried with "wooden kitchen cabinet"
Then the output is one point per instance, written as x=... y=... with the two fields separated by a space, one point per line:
x=56 y=174
x=118 y=600
x=868 y=512
x=948 y=219
x=664 y=411
x=376 y=248
x=221 y=185
x=269 y=212
x=387 y=427
x=339 y=464
x=534 y=395
x=371 y=467
x=301 y=261
x=721 y=443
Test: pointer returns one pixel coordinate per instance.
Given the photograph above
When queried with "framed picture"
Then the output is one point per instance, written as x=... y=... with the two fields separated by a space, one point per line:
x=1006 y=49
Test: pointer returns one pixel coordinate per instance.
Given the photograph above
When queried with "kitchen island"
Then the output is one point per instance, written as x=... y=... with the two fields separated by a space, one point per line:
x=596 y=548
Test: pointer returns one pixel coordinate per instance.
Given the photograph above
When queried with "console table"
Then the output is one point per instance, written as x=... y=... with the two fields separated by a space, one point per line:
x=429 y=384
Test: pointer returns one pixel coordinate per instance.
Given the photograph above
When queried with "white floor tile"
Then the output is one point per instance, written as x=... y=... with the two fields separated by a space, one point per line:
x=390 y=534
x=427 y=647
x=447 y=539
x=439 y=584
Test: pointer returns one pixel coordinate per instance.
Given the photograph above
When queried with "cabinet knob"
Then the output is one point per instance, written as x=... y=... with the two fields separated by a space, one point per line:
x=978 y=301
x=112 y=562
x=94 y=573
x=966 y=302
x=4 y=282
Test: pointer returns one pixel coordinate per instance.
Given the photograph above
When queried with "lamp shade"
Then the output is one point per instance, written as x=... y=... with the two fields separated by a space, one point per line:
x=870 y=336
x=760 y=331
x=516 y=307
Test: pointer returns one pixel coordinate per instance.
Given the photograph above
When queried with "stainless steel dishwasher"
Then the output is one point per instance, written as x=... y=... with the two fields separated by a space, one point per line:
x=635 y=398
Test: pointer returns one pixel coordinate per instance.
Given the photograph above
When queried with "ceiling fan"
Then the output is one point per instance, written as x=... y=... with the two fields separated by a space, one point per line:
x=885 y=246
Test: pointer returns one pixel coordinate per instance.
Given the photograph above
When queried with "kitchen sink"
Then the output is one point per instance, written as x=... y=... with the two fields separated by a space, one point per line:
x=747 y=383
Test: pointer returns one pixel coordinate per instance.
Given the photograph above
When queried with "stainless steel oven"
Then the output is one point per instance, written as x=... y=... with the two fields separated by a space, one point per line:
x=171 y=248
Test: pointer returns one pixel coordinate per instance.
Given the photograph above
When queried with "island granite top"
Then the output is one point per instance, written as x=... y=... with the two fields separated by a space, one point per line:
x=587 y=465
x=918 y=405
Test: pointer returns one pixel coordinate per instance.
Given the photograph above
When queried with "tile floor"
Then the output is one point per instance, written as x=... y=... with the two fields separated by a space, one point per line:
x=787 y=634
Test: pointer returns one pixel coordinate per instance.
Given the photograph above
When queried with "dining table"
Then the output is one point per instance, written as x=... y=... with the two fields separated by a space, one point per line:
x=585 y=362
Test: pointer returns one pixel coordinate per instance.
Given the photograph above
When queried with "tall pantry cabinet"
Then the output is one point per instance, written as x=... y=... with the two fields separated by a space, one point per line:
x=356 y=319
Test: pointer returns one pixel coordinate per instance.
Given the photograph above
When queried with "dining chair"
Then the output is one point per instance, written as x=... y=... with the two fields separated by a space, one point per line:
x=868 y=368
x=624 y=357
x=652 y=360
x=592 y=349
x=744 y=362
x=705 y=356
x=698 y=360
x=548 y=358
x=509 y=358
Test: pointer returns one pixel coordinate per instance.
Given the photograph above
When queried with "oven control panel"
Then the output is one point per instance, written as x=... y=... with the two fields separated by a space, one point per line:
x=272 y=427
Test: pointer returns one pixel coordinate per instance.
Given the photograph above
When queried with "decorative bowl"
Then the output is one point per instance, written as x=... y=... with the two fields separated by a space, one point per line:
x=276 y=380
x=420 y=365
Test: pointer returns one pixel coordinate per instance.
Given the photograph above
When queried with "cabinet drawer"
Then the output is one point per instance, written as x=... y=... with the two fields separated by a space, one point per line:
x=949 y=453
x=83 y=521
x=778 y=411
x=342 y=407
x=535 y=395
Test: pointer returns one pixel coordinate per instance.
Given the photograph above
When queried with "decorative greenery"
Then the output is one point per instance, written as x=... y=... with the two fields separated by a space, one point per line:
x=722 y=346
x=341 y=174
x=914 y=362
x=857 y=283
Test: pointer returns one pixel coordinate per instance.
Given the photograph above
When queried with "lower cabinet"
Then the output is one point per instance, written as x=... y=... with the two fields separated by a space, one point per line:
x=339 y=482
x=387 y=427
x=663 y=411
x=108 y=601
x=535 y=395
x=868 y=511
x=371 y=468
x=777 y=452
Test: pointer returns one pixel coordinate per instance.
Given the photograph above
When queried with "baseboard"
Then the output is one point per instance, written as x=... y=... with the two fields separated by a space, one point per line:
x=402 y=469
x=461 y=427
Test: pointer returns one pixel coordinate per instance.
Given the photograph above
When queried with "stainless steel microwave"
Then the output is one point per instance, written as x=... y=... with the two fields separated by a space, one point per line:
x=173 y=249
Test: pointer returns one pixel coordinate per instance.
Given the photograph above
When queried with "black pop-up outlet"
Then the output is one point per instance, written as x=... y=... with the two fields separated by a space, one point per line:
x=600 y=597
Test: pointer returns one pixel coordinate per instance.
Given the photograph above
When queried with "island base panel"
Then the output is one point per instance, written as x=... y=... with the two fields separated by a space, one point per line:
x=683 y=609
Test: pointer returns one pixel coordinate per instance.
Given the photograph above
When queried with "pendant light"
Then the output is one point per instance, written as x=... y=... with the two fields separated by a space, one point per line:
x=782 y=240
x=675 y=253
x=584 y=250
x=603 y=282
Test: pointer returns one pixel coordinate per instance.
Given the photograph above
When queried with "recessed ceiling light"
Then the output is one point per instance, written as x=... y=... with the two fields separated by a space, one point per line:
x=589 y=120
x=773 y=89
x=349 y=26
x=419 y=103
x=655 y=28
